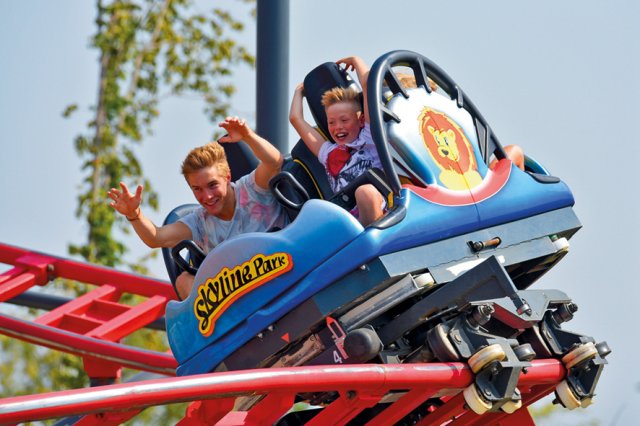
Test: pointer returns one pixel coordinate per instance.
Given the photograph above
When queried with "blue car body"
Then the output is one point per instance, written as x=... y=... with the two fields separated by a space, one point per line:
x=251 y=281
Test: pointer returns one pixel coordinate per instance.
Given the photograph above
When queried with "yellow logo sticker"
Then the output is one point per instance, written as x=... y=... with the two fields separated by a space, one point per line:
x=219 y=292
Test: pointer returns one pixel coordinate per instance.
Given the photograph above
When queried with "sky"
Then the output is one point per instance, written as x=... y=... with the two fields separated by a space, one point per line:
x=558 y=78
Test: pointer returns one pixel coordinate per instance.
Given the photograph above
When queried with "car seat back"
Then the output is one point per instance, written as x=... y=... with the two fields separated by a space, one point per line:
x=303 y=166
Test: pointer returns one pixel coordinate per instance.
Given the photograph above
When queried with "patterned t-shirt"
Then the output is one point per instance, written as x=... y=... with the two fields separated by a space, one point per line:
x=364 y=156
x=256 y=210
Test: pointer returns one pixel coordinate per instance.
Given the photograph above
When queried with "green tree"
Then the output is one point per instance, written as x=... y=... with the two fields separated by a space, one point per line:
x=148 y=50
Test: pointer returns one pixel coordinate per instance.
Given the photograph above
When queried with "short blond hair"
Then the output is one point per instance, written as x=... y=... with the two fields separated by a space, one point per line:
x=342 y=94
x=409 y=81
x=211 y=154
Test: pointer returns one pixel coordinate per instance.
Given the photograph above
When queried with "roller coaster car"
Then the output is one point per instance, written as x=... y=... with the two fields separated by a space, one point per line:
x=443 y=276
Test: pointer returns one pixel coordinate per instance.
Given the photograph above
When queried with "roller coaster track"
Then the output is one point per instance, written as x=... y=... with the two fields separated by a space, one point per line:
x=92 y=326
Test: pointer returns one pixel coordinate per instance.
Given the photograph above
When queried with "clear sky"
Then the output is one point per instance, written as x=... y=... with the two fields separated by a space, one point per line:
x=556 y=77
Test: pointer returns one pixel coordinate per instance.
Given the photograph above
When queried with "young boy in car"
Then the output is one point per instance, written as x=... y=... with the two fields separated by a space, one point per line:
x=354 y=151
x=226 y=208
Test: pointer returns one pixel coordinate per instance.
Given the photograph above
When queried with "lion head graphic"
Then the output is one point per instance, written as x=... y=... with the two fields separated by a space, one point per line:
x=450 y=150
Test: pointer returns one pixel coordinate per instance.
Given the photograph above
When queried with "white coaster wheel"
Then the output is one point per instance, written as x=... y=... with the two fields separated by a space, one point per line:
x=511 y=406
x=475 y=402
x=566 y=396
x=581 y=353
x=485 y=356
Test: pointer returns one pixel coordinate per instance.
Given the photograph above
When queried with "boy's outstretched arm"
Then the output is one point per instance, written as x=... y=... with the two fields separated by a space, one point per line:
x=268 y=155
x=128 y=205
x=362 y=70
x=311 y=137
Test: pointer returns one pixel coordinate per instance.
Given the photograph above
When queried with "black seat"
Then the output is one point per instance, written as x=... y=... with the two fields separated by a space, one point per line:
x=173 y=269
x=319 y=80
x=303 y=177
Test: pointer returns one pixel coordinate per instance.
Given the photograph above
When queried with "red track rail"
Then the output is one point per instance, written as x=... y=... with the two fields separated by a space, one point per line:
x=122 y=355
x=91 y=325
x=359 y=387
x=39 y=269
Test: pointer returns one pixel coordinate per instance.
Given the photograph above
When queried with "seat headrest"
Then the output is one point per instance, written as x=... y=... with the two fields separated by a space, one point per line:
x=320 y=79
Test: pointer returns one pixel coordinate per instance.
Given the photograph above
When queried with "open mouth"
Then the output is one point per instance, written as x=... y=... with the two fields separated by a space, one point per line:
x=212 y=203
x=340 y=136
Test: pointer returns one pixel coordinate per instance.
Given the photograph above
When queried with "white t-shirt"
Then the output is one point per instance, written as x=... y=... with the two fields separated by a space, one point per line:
x=256 y=210
x=363 y=157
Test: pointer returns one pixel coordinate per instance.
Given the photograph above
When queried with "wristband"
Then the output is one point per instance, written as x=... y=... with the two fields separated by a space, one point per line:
x=136 y=217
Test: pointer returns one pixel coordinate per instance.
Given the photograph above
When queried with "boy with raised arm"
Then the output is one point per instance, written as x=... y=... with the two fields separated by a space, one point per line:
x=354 y=151
x=226 y=208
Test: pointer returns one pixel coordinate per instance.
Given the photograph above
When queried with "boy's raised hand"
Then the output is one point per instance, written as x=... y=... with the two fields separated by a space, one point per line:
x=125 y=202
x=351 y=63
x=237 y=129
x=357 y=64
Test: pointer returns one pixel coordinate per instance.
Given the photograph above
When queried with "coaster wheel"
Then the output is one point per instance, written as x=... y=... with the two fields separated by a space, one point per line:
x=566 y=396
x=510 y=407
x=581 y=353
x=440 y=344
x=486 y=356
x=474 y=401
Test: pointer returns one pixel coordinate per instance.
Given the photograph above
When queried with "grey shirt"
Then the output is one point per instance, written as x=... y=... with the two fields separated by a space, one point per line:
x=256 y=210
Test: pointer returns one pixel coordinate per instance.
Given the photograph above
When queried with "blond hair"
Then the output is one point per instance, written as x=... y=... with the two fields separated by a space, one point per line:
x=409 y=81
x=211 y=154
x=342 y=94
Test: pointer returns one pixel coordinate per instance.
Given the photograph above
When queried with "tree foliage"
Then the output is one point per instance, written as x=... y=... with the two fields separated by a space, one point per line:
x=149 y=49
